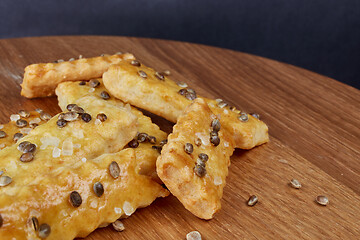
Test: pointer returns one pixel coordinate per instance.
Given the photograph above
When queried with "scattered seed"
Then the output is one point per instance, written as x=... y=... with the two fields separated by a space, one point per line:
x=232 y=108
x=200 y=162
x=71 y=59
x=118 y=226
x=70 y=106
x=114 y=169
x=24 y=114
x=167 y=72
x=214 y=138
x=86 y=117
x=204 y=157
x=5 y=180
x=34 y=223
x=98 y=189
x=17 y=136
x=252 y=201
x=295 y=183
x=158 y=148
x=135 y=63
x=163 y=142
x=21 y=123
x=142 y=74
x=38 y=110
x=200 y=170
x=102 y=55
x=222 y=104
x=160 y=76
x=2 y=134
x=322 y=200
x=190 y=95
x=22 y=146
x=243 y=117
x=82 y=83
x=26 y=147
x=182 y=91
x=104 y=95
x=44 y=230
x=188 y=147
x=215 y=124
x=70 y=116
x=152 y=139
x=198 y=142
x=194 y=235
x=27 y=157
x=133 y=143
x=78 y=109
x=60 y=60
x=142 y=137
x=102 y=117
x=33 y=125
x=45 y=116
x=182 y=84
x=255 y=115
x=94 y=83
x=75 y=199
x=61 y=123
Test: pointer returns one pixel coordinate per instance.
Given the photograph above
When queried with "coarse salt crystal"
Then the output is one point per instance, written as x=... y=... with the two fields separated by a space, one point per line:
x=79 y=133
x=84 y=160
x=217 y=180
x=91 y=90
x=56 y=152
x=94 y=204
x=117 y=210
x=226 y=111
x=14 y=117
x=97 y=122
x=67 y=147
x=226 y=144
x=205 y=140
x=49 y=140
x=35 y=120
x=2 y=145
x=77 y=145
x=128 y=209
x=1 y=126
x=25 y=130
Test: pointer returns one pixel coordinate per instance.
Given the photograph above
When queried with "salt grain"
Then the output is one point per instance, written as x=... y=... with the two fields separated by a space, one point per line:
x=25 y=130
x=128 y=209
x=67 y=147
x=84 y=160
x=56 y=152
x=117 y=210
x=217 y=180
x=91 y=90
x=14 y=117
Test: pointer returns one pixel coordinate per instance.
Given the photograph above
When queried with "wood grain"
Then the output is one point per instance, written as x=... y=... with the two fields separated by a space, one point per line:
x=314 y=127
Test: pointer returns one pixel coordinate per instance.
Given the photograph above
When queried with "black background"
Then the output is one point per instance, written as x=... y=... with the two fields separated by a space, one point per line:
x=319 y=35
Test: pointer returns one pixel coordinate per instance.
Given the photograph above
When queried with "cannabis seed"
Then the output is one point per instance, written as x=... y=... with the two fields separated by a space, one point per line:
x=75 y=199
x=82 y=83
x=98 y=189
x=69 y=107
x=255 y=115
x=118 y=226
x=214 y=138
x=322 y=200
x=24 y=114
x=188 y=147
x=243 y=117
x=198 y=142
x=27 y=157
x=21 y=123
x=142 y=74
x=104 y=95
x=77 y=109
x=190 y=95
x=17 y=136
x=45 y=116
x=102 y=117
x=133 y=143
x=204 y=157
x=295 y=183
x=86 y=117
x=61 y=123
x=142 y=137
x=163 y=142
x=182 y=91
x=114 y=169
x=44 y=230
x=94 y=83
x=160 y=76
x=34 y=222
x=70 y=116
x=152 y=139
x=215 y=124
x=252 y=201
x=135 y=63
x=200 y=170
x=5 y=180
x=2 y=134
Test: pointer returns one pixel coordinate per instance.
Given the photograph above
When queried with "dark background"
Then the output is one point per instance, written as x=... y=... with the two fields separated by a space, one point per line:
x=319 y=35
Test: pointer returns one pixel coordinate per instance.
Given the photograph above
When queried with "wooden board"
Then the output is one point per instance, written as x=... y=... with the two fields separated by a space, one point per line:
x=314 y=127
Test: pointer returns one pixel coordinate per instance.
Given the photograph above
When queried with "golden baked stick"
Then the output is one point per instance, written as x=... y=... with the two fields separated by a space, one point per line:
x=47 y=174
x=20 y=125
x=145 y=88
x=149 y=133
x=40 y=80
x=194 y=163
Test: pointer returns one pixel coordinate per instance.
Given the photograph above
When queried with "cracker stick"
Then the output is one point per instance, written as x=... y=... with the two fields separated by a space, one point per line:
x=145 y=88
x=40 y=80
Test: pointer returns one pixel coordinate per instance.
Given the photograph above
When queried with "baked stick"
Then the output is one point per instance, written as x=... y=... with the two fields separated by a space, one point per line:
x=40 y=80
x=155 y=92
x=149 y=134
x=194 y=163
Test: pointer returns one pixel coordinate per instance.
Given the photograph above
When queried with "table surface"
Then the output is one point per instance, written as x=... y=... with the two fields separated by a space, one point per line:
x=314 y=137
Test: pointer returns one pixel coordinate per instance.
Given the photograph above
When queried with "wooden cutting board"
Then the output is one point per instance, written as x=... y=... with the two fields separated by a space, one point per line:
x=314 y=127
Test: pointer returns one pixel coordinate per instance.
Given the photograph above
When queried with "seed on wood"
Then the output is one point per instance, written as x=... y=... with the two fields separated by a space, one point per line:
x=44 y=230
x=34 y=223
x=167 y=72
x=190 y=95
x=78 y=109
x=27 y=157
x=194 y=235
x=188 y=147
x=200 y=162
x=255 y=115
x=133 y=143
x=152 y=139
x=61 y=123
x=5 y=180
x=215 y=124
x=243 y=117
x=135 y=63
x=182 y=91
x=142 y=137
x=222 y=104
x=75 y=199
x=82 y=83
x=104 y=95
x=322 y=200
x=214 y=138
x=45 y=116
x=70 y=106
x=70 y=116
x=21 y=123
x=24 y=114
x=98 y=189
x=17 y=136
x=86 y=117
x=102 y=117
x=94 y=83
x=182 y=84
x=295 y=183
x=2 y=134
x=114 y=169
x=200 y=170
x=163 y=142
x=71 y=59
x=38 y=110
x=160 y=76
x=204 y=157
x=118 y=226
x=252 y=201
x=198 y=142
x=142 y=74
